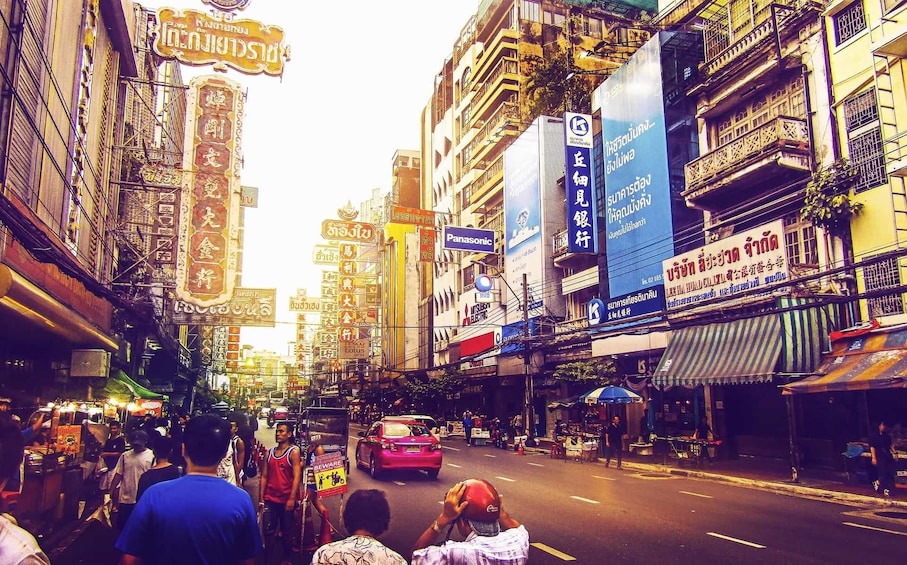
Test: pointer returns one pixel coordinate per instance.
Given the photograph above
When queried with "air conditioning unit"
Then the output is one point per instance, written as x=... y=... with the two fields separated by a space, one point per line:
x=89 y=363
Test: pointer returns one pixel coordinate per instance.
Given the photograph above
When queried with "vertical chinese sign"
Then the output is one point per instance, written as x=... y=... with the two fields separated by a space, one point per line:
x=582 y=233
x=209 y=219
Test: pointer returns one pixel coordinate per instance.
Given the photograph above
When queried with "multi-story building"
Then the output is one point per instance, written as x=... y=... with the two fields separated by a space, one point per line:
x=60 y=118
x=865 y=46
x=763 y=120
x=483 y=101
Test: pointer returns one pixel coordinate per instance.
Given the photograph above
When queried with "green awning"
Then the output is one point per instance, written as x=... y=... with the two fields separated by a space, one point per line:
x=138 y=390
x=739 y=352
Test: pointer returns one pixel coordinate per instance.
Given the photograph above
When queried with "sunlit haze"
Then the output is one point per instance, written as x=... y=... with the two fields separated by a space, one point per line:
x=325 y=133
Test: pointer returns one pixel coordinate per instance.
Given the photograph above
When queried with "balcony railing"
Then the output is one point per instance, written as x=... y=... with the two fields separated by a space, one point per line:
x=723 y=47
x=507 y=66
x=780 y=133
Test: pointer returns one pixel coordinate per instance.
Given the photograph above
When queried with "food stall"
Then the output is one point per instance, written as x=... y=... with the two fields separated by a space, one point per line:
x=51 y=486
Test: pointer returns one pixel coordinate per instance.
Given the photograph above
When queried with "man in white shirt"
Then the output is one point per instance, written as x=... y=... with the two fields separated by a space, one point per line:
x=492 y=536
x=130 y=467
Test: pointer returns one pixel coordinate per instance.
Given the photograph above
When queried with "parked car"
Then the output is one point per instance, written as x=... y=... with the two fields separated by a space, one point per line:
x=393 y=445
x=429 y=421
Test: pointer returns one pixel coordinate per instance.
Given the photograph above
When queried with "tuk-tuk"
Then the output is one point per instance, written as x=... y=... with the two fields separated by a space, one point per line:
x=330 y=426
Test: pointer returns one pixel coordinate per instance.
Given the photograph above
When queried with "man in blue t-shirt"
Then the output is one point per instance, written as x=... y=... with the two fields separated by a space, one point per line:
x=196 y=519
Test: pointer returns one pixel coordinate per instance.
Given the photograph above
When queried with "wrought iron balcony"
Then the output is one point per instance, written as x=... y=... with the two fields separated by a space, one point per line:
x=773 y=149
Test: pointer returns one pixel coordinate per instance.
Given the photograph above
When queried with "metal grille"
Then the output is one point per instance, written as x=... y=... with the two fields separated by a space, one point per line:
x=882 y=275
x=866 y=154
x=849 y=22
x=860 y=110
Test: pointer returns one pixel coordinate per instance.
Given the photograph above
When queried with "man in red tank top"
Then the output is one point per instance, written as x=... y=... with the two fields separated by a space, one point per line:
x=279 y=490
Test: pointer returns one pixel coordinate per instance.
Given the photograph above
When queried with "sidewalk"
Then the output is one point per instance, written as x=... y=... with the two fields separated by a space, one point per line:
x=768 y=474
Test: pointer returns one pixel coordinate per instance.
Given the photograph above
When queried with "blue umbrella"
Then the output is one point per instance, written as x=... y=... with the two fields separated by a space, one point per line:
x=610 y=395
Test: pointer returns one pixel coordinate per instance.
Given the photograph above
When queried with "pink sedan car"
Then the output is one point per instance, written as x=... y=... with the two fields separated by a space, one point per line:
x=398 y=445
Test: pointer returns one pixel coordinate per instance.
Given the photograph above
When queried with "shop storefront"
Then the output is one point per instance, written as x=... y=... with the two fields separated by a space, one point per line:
x=728 y=372
x=862 y=380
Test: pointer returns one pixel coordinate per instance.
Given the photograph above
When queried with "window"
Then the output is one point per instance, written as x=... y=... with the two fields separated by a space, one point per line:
x=849 y=22
x=882 y=275
x=531 y=11
x=864 y=139
x=783 y=99
x=800 y=241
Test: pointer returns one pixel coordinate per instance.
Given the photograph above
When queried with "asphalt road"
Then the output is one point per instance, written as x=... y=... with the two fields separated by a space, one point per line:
x=586 y=513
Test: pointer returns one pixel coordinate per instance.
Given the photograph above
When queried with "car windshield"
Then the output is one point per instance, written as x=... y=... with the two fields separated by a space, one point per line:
x=401 y=429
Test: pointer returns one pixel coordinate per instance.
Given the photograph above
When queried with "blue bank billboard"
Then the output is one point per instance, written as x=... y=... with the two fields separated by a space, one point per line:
x=638 y=222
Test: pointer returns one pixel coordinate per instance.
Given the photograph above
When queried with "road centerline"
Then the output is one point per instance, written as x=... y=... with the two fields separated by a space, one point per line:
x=454 y=465
x=508 y=479
x=873 y=528
x=535 y=464
x=688 y=493
x=589 y=500
x=736 y=540
x=551 y=551
x=603 y=478
x=489 y=455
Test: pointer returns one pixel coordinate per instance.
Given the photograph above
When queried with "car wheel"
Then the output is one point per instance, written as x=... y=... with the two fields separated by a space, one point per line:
x=433 y=473
x=373 y=467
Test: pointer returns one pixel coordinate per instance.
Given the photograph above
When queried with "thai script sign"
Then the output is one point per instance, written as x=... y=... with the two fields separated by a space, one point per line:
x=304 y=304
x=248 y=307
x=415 y=216
x=196 y=38
x=210 y=202
x=581 y=225
x=347 y=231
x=740 y=263
x=325 y=255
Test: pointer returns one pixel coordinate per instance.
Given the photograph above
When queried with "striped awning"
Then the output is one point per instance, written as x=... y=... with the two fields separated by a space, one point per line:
x=876 y=360
x=739 y=352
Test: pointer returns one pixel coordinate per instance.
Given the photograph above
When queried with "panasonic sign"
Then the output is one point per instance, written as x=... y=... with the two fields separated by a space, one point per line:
x=468 y=239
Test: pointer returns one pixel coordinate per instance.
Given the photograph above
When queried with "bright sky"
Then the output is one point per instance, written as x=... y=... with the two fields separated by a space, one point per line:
x=352 y=93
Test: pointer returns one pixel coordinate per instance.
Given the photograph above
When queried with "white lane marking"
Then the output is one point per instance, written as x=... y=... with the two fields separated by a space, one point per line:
x=536 y=464
x=883 y=530
x=604 y=478
x=509 y=480
x=589 y=500
x=551 y=551
x=454 y=465
x=400 y=483
x=694 y=494
x=449 y=448
x=735 y=540
x=489 y=455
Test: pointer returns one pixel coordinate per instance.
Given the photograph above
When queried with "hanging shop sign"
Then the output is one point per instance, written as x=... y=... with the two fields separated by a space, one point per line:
x=248 y=307
x=342 y=230
x=413 y=216
x=196 y=38
x=325 y=255
x=210 y=201
x=741 y=263
x=581 y=223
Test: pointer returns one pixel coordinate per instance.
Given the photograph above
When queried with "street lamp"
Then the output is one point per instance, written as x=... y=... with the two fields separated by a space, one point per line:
x=482 y=285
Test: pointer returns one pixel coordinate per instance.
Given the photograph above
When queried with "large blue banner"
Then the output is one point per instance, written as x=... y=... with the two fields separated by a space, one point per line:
x=638 y=223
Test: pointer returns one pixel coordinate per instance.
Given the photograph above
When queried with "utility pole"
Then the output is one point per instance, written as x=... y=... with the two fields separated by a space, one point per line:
x=527 y=361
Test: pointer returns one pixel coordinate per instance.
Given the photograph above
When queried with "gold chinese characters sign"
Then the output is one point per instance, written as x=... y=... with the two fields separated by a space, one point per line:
x=196 y=38
x=210 y=203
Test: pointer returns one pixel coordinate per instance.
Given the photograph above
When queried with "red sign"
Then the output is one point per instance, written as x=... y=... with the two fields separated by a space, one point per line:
x=427 y=245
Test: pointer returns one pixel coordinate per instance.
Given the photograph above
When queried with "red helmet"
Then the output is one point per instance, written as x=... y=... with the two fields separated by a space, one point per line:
x=484 y=502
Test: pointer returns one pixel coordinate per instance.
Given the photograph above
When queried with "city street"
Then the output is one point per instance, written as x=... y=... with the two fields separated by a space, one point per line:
x=588 y=513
